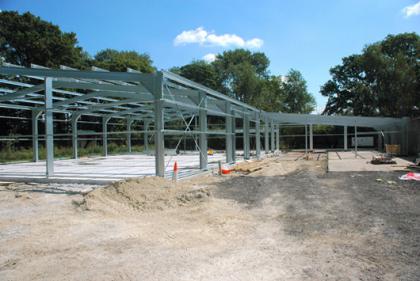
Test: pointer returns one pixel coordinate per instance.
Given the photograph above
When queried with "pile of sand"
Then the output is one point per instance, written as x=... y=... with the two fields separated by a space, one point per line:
x=250 y=166
x=145 y=194
x=267 y=167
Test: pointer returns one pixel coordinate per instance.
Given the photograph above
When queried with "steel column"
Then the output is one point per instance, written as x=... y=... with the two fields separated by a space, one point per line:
x=379 y=141
x=277 y=137
x=105 y=135
x=49 y=127
x=272 y=137
x=202 y=118
x=35 y=135
x=229 y=136
x=246 y=136
x=355 y=141
x=257 y=136
x=233 y=139
x=266 y=140
x=159 y=125
x=311 y=138
x=129 y=123
x=345 y=138
x=306 y=139
x=404 y=136
x=146 y=136
x=74 y=133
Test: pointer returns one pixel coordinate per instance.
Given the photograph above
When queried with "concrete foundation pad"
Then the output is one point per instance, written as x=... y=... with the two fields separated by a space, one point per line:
x=346 y=161
x=103 y=170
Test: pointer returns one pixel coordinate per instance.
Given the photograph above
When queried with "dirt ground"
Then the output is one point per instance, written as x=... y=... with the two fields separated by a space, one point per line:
x=286 y=220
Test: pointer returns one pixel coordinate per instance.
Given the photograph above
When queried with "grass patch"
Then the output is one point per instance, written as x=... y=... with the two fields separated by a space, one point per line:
x=13 y=154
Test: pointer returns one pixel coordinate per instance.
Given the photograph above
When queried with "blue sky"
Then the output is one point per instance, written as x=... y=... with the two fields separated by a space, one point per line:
x=310 y=36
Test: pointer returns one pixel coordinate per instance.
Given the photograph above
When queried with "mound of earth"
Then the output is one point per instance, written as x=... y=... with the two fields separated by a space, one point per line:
x=145 y=194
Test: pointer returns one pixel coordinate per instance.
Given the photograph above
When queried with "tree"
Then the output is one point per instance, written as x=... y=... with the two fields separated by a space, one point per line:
x=240 y=73
x=114 y=60
x=383 y=80
x=297 y=99
x=244 y=75
x=26 y=39
x=201 y=72
x=270 y=95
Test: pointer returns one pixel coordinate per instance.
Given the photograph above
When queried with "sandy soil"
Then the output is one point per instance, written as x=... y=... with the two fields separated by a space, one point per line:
x=288 y=220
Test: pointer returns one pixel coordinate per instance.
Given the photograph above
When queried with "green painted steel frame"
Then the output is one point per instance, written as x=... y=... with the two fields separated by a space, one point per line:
x=153 y=98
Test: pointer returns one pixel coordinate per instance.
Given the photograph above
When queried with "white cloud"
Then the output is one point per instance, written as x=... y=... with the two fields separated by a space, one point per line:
x=210 y=57
x=413 y=10
x=205 y=38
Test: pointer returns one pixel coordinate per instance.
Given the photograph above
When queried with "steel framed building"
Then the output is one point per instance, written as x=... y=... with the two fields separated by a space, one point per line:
x=156 y=99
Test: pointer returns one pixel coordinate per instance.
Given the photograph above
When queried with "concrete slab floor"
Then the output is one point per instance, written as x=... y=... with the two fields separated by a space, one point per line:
x=102 y=170
x=345 y=161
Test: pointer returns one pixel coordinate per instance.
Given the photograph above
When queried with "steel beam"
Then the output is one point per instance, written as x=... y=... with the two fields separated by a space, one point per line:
x=77 y=74
x=22 y=93
x=202 y=119
x=82 y=98
x=103 y=87
x=335 y=120
x=35 y=135
x=49 y=127
x=191 y=107
x=202 y=88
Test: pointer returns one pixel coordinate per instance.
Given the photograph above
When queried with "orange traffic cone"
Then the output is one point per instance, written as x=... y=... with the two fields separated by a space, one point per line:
x=175 y=172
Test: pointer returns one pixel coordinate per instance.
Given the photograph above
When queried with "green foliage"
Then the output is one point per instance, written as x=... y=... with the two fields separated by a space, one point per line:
x=12 y=154
x=383 y=80
x=271 y=95
x=199 y=71
x=240 y=73
x=26 y=39
x=114 y=60
x=244 y=75
x=325 y=129
x=297 y=99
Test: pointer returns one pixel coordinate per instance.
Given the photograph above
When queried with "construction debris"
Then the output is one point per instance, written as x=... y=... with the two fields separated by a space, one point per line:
x=411 y=176
x=382 y=159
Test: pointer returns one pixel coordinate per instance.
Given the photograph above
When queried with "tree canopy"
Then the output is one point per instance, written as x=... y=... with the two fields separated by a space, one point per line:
x=383 y=80
x=244 y=75
x=240 y=72
x=26 y=39
x=297 y=99
x=114 y=60
x=199 y=71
